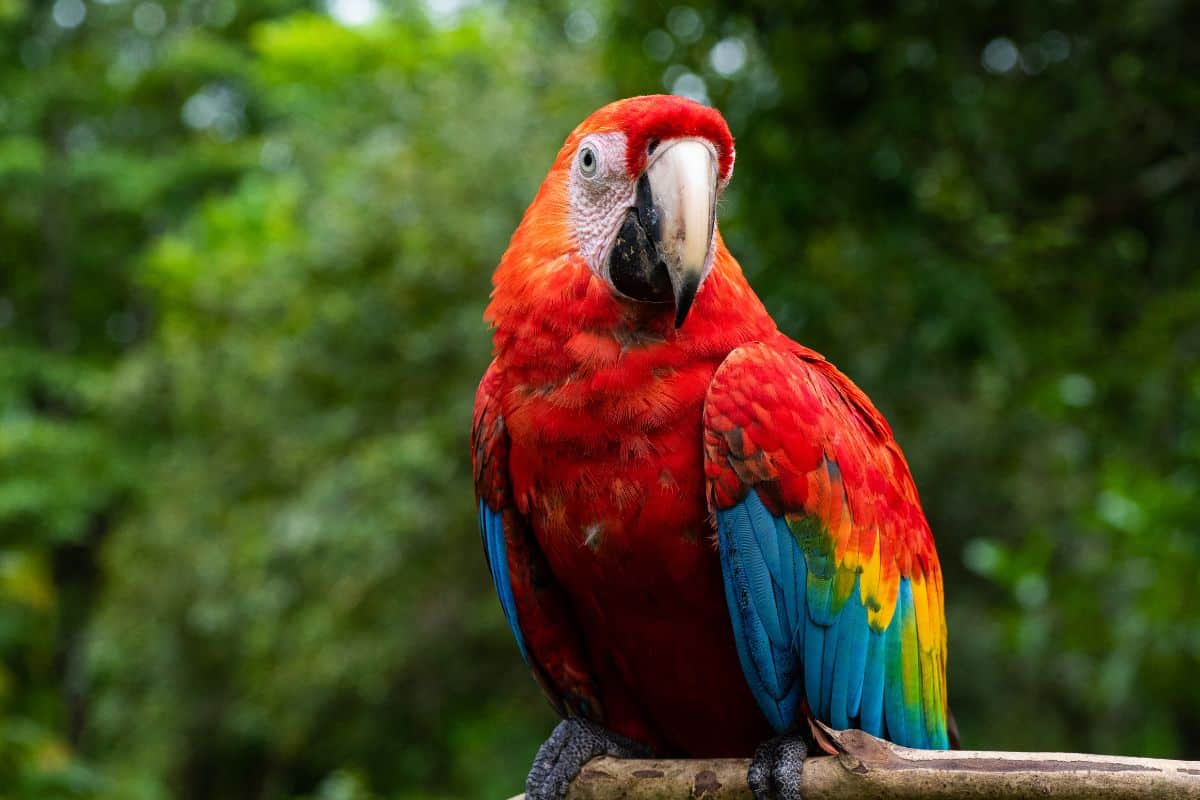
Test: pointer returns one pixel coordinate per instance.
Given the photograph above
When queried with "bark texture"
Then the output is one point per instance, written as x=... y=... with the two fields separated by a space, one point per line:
x=867 y=767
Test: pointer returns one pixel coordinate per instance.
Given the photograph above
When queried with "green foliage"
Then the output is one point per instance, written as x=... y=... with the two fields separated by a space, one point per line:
x=246 y=248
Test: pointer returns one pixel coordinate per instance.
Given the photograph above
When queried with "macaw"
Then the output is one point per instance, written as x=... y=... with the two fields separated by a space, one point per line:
x=702 y=534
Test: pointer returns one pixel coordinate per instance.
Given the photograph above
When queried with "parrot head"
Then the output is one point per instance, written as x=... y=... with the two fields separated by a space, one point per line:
x=631 y=199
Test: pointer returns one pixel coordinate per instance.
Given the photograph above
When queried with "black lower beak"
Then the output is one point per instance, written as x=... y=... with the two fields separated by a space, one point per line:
x=685 y=294
x=664 y=247
x=634 y=267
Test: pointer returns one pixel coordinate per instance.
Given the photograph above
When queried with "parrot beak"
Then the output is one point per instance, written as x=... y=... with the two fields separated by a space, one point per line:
x=661 y=252
x=683 y=186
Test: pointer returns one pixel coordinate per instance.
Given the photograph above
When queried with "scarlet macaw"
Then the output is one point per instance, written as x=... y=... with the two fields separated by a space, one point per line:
x=702 y=534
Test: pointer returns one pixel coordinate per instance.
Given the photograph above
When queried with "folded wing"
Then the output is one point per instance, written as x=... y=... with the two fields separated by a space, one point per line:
x=831 y=577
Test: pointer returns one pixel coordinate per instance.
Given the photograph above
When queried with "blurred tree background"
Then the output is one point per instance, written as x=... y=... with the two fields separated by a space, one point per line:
x=244 y=250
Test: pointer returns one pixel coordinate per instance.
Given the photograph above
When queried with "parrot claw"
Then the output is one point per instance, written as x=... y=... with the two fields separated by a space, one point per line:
x=776 y=769
x=573 y=743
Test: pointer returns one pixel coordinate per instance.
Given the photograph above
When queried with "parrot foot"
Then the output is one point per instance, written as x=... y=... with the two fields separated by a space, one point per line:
x=776 y=769
x=573 y=743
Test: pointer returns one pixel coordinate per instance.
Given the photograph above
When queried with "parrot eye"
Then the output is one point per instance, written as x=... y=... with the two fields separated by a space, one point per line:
x=588 y=161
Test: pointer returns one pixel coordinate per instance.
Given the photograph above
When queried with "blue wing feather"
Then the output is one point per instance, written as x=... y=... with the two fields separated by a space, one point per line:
x=491 y=526
x=793 y=641
x=760 y=541
x=763 y=645
x=828 y=659
x=870 y=712
x=747 y=629
x=787 y=573
x=850 y=660
x=893 y=698
x=814 y=653
x=853 y=662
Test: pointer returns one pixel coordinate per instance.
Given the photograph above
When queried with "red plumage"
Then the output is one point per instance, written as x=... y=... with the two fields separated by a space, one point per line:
x=589 y=440
x=611 y=438
x=658 y=118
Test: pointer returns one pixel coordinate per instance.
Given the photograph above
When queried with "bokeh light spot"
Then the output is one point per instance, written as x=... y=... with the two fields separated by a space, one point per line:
x=1118 y=510
x=1056 y=45
x=1031 y=590
x=69 y=13
x=581 y=26
x=982 y=556
x=1077 y=390
x=216 y=108
x=659 y=45
x=1000 y=56
x=692 y=86
x=275 y=155
x=685 y=23
x=728 y=56
x=149 y=19
x=1033 y=59
x=220 y=13
x=353 y=12
x=81 y=138
x=446 y=13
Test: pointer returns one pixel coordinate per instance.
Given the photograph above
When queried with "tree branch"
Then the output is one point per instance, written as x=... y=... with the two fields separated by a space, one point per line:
x=868 y=767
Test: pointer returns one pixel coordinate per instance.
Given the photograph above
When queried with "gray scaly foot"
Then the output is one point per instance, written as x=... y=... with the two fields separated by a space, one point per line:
x=573 y=743
x=776 y=769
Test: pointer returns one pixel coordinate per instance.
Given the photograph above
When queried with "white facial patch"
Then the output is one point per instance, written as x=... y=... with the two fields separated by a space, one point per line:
x=600 y=191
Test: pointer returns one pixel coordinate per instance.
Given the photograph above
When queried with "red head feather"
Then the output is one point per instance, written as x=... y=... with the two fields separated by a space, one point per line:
x=659 y=117
x=543 y=279
x=654 y=118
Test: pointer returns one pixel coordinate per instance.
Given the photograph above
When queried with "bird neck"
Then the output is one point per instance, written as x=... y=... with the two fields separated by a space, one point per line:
x=554 y=320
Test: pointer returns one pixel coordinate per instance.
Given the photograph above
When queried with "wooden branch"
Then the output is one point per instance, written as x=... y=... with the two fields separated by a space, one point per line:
x=868 y=767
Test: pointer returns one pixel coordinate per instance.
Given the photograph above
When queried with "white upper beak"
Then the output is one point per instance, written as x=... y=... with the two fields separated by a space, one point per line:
x=683 y=181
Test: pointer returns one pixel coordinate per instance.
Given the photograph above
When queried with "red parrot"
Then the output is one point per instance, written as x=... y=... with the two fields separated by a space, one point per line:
x=702 y=534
